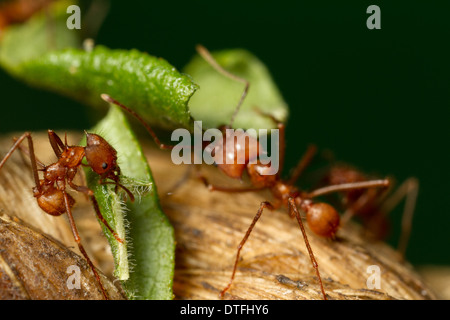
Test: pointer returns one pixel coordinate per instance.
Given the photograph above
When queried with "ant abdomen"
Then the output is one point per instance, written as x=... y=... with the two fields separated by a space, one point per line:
x=51 y=200
x=71 y=157
x=323 y=219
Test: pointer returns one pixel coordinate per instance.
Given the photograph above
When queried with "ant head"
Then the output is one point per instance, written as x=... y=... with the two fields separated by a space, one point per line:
x=101 y=156
x=235 y=151
x=342 y=173
x=322 y=219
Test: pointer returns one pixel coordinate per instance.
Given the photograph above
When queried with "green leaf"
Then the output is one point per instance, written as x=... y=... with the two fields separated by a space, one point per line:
x=32 y=52
x=145 y=262
x=218 y=96
x=147 y=84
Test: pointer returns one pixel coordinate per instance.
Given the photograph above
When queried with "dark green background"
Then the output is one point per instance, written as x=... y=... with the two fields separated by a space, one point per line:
x=377 y=98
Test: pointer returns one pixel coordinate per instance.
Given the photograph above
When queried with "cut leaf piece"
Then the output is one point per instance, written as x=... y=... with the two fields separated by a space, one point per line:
x=147 y=84
x=216 y=101
x=145 y=262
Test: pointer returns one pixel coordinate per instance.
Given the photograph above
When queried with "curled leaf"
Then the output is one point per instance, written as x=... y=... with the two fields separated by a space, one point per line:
x=147 y=84
x=216 y=101
x=145 y=261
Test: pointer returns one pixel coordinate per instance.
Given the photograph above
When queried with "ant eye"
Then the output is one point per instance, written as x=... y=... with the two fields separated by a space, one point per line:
x=104 y=165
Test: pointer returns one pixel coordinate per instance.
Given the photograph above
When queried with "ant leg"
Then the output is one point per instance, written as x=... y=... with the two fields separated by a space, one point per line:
x=102 y=219
x=263 y=205
x=212 y=187
x=90 y=194
x=82 y=189
x=348 y=186
x=26 y=152
x=296 y=213
x=360 y=203
x=213 y=63
x=110 y=100
x=83 y=178
x=15 y=146
x=80 y=246
x=303 y=163
x=409 y=190
x=118 y=184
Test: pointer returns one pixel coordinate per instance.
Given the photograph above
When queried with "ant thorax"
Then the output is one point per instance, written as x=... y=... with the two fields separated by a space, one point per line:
x=261 y=177
x=283 y=192
x=71 y=157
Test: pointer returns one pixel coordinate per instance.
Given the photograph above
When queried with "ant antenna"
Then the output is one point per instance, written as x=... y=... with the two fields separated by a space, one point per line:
x=118 y=184
x=108 y=99
x=209 y=58
x=348 y=186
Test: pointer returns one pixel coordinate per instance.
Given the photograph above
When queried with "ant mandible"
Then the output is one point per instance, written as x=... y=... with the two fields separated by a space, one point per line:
x=321 y=217
x=50 y=191
x=373 y=205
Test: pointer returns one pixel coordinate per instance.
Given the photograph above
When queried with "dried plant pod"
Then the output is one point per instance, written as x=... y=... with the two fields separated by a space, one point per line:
x=16 y=183
x=17 y=201
x=274 y=262
x=35 y=266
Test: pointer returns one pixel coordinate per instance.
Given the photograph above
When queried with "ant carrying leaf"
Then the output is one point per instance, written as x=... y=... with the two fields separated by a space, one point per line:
x=322 y=218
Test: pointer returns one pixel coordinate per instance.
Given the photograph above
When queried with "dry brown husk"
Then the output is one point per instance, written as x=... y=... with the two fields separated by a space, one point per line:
x=208 y=227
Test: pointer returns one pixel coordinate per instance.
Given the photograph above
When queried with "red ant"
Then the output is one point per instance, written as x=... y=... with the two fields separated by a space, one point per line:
x=322 y=218
x=373 y=205
x=50 y=191
x=18 y=11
